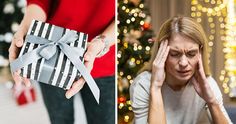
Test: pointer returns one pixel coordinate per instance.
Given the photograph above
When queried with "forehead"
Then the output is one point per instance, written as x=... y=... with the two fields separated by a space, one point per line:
x=182 y=42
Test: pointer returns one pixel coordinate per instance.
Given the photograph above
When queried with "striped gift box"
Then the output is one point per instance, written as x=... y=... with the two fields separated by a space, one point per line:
x=62 y=72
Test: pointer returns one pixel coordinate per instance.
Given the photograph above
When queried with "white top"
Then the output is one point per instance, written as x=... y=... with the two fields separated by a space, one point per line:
x=181 y=107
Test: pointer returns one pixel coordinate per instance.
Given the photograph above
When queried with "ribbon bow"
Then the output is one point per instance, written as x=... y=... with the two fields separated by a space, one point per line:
x=49 y=48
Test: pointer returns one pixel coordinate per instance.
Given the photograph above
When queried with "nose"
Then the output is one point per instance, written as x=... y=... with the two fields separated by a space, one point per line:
x=183 y=62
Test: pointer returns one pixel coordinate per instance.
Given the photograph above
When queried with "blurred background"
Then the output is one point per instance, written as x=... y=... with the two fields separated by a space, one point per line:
x=139 y=20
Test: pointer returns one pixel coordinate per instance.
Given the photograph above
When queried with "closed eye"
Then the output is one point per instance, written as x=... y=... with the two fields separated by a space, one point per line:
x=191 y=53
x=175 y=54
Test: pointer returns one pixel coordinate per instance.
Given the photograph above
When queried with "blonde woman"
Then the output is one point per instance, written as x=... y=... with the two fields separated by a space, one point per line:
x=176 y=86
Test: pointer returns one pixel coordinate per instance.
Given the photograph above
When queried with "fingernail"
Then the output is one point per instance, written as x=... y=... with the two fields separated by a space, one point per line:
x=19 y=43
x=68 y=96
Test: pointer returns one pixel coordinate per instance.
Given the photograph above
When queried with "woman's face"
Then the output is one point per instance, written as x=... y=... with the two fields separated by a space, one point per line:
x=182 y=59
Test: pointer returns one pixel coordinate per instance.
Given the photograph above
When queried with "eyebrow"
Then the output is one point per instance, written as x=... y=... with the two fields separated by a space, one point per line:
x=175 y=47
x=192 y=50
x=189 y=50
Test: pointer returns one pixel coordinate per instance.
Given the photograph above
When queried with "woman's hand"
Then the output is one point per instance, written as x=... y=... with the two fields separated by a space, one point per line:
x=201 y=85
x=156 y=114
x=94 y=47
x=32 y=11
x=14 y=50
x=158 y=67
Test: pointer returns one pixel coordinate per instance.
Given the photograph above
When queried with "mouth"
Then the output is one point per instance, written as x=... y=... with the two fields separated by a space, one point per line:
x=184 y=72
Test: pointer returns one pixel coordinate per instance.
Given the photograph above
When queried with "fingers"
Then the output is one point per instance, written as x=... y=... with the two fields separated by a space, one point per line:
x=90 y=54
x=89 y=58
x=76 y=87
x=89 y=65
x=199 y=75
x=93 y=49
x=200 y=62
x=13 y=52
x=162 y=53
x=200 y=67
x=18 y=38
x=159 y=51
x=165 y=54
x=17 y=78
x=165 y=45
x=95 y=46
x=17 y=42
x=26 y=82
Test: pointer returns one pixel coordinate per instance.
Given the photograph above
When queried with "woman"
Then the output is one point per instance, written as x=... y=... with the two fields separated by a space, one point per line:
x=176 y=86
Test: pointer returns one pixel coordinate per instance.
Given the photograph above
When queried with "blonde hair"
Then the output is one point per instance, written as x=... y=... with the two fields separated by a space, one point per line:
x=184 y=26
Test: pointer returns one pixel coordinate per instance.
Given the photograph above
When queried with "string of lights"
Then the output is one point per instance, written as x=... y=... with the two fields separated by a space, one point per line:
x=222 y=11
x=228 y=75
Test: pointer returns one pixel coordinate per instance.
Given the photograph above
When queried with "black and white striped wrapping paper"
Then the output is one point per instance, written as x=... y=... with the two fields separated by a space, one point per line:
x=63 y=72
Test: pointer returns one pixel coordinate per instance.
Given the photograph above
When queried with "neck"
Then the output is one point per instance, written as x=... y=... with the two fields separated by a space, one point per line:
x=174 y=83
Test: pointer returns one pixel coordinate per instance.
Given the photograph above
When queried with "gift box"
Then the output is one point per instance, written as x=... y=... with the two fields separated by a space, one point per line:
x=54 y=55
x=24 y=95
x=58 y=71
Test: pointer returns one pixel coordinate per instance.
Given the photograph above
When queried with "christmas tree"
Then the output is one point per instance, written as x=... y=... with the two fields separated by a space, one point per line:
x=11 y=14
x=134 y=44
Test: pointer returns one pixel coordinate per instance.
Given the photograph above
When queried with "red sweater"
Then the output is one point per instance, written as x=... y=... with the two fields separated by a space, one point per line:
x=88 y=16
